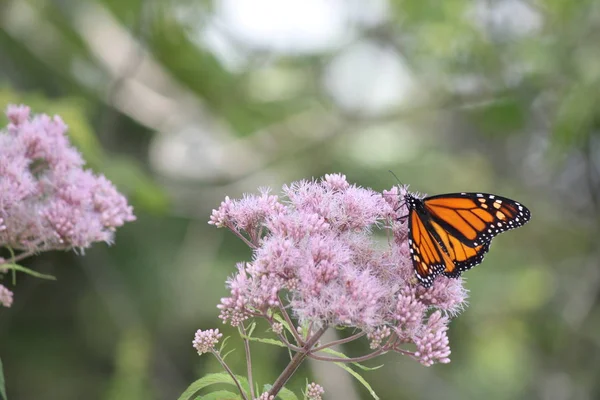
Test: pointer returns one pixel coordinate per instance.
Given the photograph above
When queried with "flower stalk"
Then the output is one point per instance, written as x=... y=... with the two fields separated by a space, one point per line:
x=295 y=362
x=248 y=359
x=230 y=372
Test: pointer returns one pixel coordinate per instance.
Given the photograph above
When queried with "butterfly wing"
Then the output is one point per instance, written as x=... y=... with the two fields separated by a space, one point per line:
x=457 y=256
x=426 y=255
x=475 y=218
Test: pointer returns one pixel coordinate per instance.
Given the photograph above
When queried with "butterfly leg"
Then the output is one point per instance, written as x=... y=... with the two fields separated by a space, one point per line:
x=402 y=218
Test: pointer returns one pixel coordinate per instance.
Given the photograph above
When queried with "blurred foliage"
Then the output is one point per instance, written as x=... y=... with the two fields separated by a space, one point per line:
x=181 y=103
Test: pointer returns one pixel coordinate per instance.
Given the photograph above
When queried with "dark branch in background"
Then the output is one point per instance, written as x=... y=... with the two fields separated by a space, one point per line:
x=129 y=69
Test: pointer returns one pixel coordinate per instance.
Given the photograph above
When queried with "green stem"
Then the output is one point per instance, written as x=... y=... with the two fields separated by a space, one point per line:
x=248 y=360
x=352 y=359
x=230 y=372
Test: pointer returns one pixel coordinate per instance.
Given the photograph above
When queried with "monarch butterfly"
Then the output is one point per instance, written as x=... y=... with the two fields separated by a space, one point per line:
x=450 y=233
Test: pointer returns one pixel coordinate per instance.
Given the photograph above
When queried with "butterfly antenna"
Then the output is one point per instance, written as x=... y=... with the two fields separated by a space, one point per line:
x=391 y=172
x=401 y=184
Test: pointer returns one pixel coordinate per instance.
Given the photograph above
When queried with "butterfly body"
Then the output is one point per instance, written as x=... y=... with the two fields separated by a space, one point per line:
x=451 y=233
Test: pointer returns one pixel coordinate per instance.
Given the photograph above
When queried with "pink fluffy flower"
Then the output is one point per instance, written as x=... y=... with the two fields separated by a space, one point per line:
x=47 y=200
x=329 y=254
x=318 y=252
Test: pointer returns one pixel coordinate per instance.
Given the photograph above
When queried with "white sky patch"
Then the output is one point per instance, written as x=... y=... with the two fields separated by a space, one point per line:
x=369 y=79
x=287 y=27
x=290 y=26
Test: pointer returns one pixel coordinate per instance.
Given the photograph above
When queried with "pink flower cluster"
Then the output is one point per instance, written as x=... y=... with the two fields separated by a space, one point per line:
x=205 y=341
x=314 y=391
x=47 y=200
x=336 y=254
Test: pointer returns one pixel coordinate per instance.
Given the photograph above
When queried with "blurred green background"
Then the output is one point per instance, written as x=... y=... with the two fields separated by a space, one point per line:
x=181 y=103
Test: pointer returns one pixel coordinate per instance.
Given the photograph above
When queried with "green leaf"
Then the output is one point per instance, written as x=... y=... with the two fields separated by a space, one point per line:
x=220 y=395
x=286 y=394
x=342 y=355
x=251 y=329
x=222 y=347
x=194 y=389
x=224 y=356
x=365 y=368
x=359 y=378
x=2 y=384
x=31 y=272
x=273 y=342
x=304 y=393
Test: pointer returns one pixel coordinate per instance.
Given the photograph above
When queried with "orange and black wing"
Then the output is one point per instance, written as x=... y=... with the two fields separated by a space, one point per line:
x=475 y=218
x=426 y=254
x=457 y=256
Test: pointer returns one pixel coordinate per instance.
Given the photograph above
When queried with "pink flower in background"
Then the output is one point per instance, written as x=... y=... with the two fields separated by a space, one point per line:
x=6 y=296
x=47 y=200
x=335 y=254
